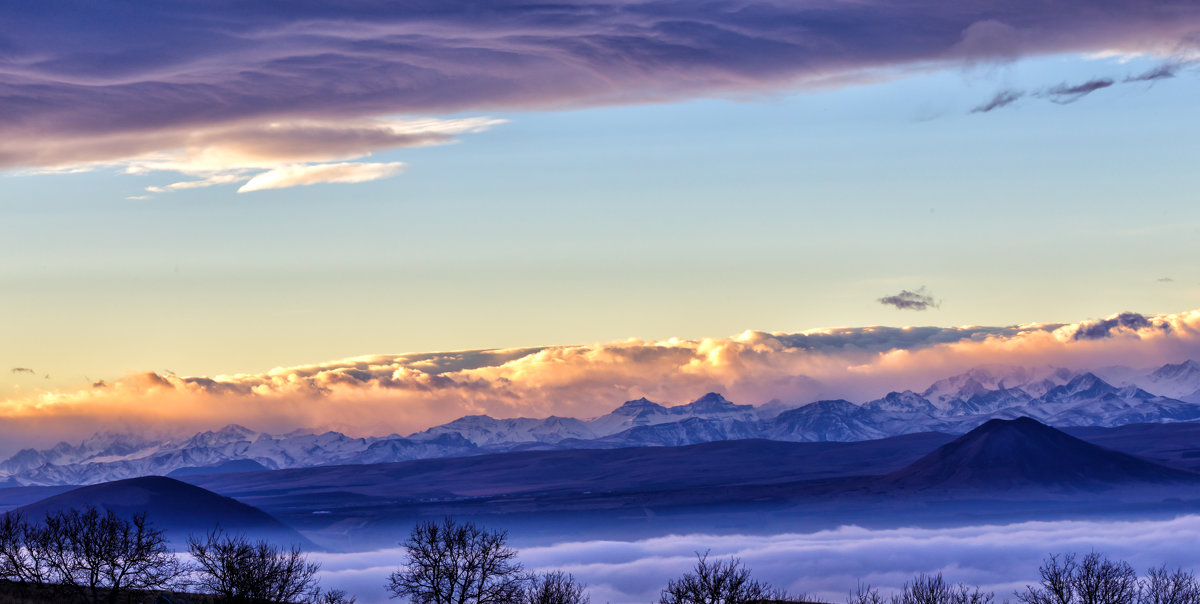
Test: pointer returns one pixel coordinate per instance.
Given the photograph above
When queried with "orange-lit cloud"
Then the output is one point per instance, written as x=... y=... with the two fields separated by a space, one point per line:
x=409 y=392
x=278 y=154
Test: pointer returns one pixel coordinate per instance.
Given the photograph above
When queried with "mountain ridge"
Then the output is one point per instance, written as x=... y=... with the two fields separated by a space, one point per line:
x=952 y=405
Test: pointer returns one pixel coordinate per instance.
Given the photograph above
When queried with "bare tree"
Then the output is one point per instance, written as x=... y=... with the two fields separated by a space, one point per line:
x=721 y=582
x=933 y=589
x=1093 y=580
x=96 y=557
x=555 y=587
x=1058 y=582
x=15 y=564
x=1160 y=586
x=449 y=562
x=865 y=594
x=21 y=561
x=238 y=570
x=335 y=596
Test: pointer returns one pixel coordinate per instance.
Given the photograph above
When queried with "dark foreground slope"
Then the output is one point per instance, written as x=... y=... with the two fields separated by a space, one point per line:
x=1005 y=455
x=177 y=507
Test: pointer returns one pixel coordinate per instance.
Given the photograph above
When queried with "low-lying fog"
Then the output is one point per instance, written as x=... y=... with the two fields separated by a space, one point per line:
x=825 y=564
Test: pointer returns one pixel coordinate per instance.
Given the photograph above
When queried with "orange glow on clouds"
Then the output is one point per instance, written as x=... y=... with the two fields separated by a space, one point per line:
x=384 y=394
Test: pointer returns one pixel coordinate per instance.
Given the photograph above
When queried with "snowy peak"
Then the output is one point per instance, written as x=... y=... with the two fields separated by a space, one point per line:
x=1180 y=380
x=711 y=403
x=943 y=393
x=902 y=402
x=636 y=407
x=1188 y=370
x=948 y=393
x=226 y=436
x=1083 y=387
x=956 y=404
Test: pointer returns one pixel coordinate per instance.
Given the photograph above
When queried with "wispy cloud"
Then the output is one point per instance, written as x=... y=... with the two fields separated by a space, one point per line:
x=911 y=300
x=1003 y=98
x=1064 y=94
x=1162 y=72
x=292 y=176
x=121 y=83
x=305 y=150
x=23 y=370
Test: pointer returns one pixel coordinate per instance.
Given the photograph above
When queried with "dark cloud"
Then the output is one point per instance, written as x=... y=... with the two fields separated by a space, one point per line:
x=1064 y=94
x=89 y=81
x=23 y=370
x=1165 y=280
x=1003 y=98
x=883 y=339
x=1162 y=72
x=1096 y=330
x=911 y=300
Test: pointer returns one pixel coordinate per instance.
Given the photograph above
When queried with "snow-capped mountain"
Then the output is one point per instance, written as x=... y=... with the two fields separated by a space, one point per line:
x=1179 y=381
x=956 y=404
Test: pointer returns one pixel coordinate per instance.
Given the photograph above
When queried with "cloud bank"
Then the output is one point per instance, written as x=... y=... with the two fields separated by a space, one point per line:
x=404 y=393
x=94 y=83
x=826 y=564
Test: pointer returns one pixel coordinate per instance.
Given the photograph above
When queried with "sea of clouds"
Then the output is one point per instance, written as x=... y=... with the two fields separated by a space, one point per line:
x=826 y=564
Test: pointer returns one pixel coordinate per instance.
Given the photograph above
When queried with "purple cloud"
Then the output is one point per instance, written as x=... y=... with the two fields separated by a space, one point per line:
x=1064 y=94
x=1003 y=98
x=1162 y=72
x=911 y=300
x=89 y=82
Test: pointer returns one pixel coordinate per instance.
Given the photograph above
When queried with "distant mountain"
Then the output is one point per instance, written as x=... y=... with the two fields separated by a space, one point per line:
x=229 y=467
x=1022 y=453
x=953 y=405
x=1180 y=381
x=179 y=508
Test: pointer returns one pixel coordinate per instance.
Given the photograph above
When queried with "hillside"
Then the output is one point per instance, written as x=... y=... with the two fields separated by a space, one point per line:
x=177 y=507
x=1024 y=453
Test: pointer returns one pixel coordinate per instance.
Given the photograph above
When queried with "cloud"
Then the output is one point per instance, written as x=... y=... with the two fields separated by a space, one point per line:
x=240 y=153
x=1003 y=98
x=405 y=393
x=911 y=300
x=1165 y=280
x=825 y=564
x=292 y=176
x=1162 y=72
x=23 y=370
x=1123 y=322
x=1064 y=94
x=110 y=84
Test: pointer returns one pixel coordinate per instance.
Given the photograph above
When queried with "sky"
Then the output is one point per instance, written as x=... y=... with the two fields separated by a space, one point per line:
x=250 y=195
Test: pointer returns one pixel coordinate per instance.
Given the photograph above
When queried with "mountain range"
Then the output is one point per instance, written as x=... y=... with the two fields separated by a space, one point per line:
x=1107 y=397
x=998 y=469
